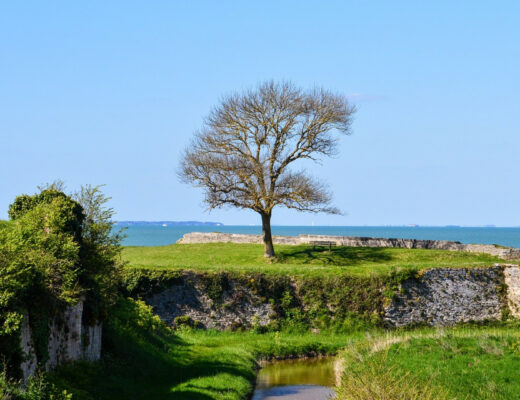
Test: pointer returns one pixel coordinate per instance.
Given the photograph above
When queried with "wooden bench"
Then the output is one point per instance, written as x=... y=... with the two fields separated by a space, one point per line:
x=315 y=243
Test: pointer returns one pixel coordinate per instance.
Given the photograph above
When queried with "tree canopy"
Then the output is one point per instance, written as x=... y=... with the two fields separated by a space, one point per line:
x=244 y=153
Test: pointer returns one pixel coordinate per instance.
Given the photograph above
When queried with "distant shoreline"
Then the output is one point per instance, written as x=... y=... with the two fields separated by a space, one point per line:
x=157 y=234
x=211 y=223
x=168 y=223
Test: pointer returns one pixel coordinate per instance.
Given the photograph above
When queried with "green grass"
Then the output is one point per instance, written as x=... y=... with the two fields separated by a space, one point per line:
x=145 y=360
x=297 y=260
x=459 y=363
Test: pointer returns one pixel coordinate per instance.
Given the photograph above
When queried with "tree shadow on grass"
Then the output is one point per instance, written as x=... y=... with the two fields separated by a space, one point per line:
x=144 y=362
x=336 y=256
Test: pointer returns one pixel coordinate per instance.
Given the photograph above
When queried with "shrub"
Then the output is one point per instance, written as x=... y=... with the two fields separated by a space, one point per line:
x=55 y=251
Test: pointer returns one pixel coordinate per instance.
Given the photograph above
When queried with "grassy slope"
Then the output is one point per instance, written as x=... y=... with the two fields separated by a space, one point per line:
x=145 y=360
x=297 y=260
x=460 y=363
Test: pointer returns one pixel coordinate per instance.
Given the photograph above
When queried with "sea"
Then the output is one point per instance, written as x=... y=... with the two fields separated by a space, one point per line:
x=158 y=235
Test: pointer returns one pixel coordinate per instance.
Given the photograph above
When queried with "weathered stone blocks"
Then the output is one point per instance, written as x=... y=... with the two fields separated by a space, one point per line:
x=447 y=296
x=238 y=306
x=69 y=340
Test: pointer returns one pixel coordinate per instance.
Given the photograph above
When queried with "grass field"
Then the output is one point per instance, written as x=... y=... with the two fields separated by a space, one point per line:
x=297 y=260
x=145 y=360
x=478 y=363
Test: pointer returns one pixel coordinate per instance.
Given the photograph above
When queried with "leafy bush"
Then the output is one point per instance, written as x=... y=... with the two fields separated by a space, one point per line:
x=37 y=388
x=55 y=251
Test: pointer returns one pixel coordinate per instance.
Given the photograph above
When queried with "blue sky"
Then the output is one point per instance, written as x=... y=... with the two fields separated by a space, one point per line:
x=111 y=92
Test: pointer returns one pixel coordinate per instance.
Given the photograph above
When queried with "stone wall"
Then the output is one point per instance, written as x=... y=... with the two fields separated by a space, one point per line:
x=437 y=297
x=69 y=340
x=505 y=253
x=512 y=282
x=237 y=306
x=447 y=296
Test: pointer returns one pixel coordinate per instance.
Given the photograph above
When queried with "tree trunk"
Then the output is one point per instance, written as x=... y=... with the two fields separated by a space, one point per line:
x=266 y=232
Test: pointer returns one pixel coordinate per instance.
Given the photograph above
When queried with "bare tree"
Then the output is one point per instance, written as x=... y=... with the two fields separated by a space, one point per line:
x=243 y=154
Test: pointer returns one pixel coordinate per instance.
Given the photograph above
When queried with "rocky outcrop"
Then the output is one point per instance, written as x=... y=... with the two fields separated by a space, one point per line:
x=447 y=296
x=236 y=307
x=505 y=253
x=69 y=340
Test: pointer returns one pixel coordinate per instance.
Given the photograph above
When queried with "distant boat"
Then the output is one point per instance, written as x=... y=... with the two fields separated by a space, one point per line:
x=164 y=225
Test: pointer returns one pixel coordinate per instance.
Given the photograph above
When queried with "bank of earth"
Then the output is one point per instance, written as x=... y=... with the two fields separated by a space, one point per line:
x=316 y=302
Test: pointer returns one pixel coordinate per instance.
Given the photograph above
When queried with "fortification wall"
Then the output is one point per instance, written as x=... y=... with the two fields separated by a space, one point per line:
x=505 y=253
x=436 y=297
x=237 y=305
x=69 y=340
x=442 y=297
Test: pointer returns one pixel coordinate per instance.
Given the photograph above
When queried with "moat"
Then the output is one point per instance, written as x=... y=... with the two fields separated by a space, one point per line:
x=303 y=379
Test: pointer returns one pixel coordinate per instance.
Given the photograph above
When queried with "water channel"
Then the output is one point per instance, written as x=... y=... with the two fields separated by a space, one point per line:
x=303 y=379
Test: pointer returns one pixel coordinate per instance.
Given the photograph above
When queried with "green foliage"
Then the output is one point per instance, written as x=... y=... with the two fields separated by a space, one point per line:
x=99 y=253
x=185 y=321
x=141 y=282
x=135 y=317
x=55 y=252
x=215 y=285
x=39 y=268
x=37 y=388
x=68 y=216
x=145 y=360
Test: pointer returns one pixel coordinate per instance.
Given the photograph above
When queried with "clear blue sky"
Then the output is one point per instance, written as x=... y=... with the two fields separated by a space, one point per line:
x=108 y=92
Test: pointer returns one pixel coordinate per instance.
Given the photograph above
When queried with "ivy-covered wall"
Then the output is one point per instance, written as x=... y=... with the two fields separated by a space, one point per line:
x=443 y=296
x=58 y=278
x=263 y=301
x=68 y=339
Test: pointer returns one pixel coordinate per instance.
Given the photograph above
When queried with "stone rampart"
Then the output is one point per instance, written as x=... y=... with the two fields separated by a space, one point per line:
x=237 y=306
x=69 y=340
x=447 y=296
x=505 y=253
x=436 y=297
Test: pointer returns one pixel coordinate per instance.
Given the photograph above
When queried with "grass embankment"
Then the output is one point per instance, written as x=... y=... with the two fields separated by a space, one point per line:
x=298 y=260
x=143 y=359
x=459 y=363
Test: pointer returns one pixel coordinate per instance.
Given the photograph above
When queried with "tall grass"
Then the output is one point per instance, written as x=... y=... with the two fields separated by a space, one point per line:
x=379 y=380
x=477 y=363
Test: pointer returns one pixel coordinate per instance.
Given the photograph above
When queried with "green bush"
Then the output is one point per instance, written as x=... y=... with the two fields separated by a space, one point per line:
x=36 y=388
x=55 y=251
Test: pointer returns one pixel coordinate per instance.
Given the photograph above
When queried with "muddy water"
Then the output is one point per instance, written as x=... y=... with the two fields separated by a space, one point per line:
x=308 y=379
